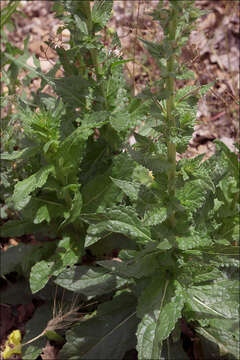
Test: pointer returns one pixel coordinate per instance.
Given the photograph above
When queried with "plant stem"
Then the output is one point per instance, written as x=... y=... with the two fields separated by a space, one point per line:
x=170 y=108
x=93 y=52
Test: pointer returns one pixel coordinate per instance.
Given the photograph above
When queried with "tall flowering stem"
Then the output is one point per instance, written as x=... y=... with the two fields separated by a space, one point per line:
x=171 y=123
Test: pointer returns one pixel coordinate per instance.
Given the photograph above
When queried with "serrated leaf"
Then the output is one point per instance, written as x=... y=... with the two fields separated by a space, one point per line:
x=219 y=249
x=76 y=207
x=24 y=188
x=99 y=193
x=232 y=157
x=7 y=12
x=90 y=281
x=33 y=328
x=21 y=154
x=219 y=299
x=224 y=333
x=155 y=216
x=143 y=264
x=101 y=11
x=21 y=61
x=193 y=241
x=139 y=233
x=42 y=215
x=155 y=49
x=120 y=120
x=40 y=274
x=73 y=90
x=65 y=256
x=42 y=271
x=131 y=189
x=159 y=309
x=81 y=25
x=124 y=221
x=155 y=163
x=12 y=257
x=192 y=195
x=108 y=335
x=18 y=228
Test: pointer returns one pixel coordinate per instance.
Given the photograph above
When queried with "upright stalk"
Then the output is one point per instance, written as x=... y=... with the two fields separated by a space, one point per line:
x=171 y=123
x=87 y=10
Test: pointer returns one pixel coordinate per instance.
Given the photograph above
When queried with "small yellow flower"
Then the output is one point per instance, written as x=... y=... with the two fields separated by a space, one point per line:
x=12 y=345
x=151 y=175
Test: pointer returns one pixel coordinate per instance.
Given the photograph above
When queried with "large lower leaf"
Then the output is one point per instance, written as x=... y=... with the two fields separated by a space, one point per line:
x=224 y=333
x=219 y=299
x=20 y=154
x=193 y=241
x=25 y=187
x=131 y=189
x=19 y=228
x=137 y=265
x=12 y=257
x=159 y=307
x=121 y=220
x=64 y=256
x=90 y=281
x=193 y=194
x=73 y=89
x=100 y=193
x=108 y=335
x=33 y=328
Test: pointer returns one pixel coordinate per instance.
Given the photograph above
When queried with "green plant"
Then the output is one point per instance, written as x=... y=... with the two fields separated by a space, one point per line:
x=175 y=225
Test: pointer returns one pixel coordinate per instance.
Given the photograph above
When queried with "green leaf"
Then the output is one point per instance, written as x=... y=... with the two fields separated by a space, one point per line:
x=116 y=63
x=155 y=216
x=218 y=299
x=131 y=189
x=101 y=12
x=232 y=157
x=25 y=187
x=21 y=61
x=73 y=90
x=219 y=249
x=54 y=336
x=64 y=256
x=7 y=12
x=192 y=195
x=155 y=163
x=81 y=25
x=123 y=221
x=100 y=193
x=12 y=257
x=40 y=274
x=21 y=154
x=72 y=147
x=76 y=206
x=160 y=308
x=108 y=335
x=42 y=215
x=137 y=264
x=155 y=49
x=193 y=241
x=33 y=328
x=224 y=333
x=90 y=281
x=19 y=228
